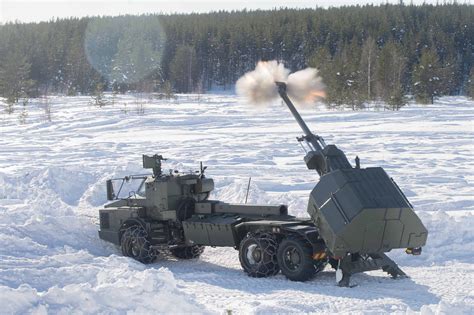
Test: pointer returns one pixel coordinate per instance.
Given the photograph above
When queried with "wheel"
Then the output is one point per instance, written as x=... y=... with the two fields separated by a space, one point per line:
x=134 y=243
x=296 y=261
x=187 y=252
x=257 y=255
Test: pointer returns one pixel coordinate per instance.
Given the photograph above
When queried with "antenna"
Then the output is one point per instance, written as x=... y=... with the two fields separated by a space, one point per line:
x=201 y=169
x=248 y=188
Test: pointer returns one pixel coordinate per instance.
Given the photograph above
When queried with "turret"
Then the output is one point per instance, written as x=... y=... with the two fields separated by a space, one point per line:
x=153 y=162
x=356 y=210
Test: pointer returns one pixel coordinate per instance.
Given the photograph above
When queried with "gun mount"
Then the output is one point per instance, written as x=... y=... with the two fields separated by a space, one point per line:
x=153 y=162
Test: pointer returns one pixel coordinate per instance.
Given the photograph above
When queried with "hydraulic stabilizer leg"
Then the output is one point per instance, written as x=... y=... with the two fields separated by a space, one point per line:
x=390 y=267
x=343 y=278
x=354 y=263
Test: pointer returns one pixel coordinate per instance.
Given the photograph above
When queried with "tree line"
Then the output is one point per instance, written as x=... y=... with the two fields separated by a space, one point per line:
x=364 y=53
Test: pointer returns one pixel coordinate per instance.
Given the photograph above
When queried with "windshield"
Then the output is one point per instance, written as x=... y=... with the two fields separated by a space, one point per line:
x=134 y=187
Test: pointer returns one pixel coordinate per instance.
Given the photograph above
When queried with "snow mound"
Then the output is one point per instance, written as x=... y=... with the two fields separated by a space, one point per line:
x=106 y=291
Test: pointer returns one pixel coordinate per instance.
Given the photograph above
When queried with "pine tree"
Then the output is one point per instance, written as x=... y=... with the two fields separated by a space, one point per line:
x=98 y=95
x=183 y=69
x=15 y=82
x=167 y=90
x=450 y=74
x=426 y=77
x=391 y=66
x=343 y=79
x=334 y=78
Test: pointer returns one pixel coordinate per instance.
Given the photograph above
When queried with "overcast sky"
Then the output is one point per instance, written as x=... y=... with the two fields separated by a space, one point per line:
x=41 y=10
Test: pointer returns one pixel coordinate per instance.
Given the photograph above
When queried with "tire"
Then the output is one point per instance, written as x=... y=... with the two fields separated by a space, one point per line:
x=257 y=255
x=135 y=244
x=188 y=252
x=296 y=261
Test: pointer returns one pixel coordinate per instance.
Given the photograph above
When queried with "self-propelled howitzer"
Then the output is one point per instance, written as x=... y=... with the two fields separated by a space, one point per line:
x=356 y=215
x=360 y=213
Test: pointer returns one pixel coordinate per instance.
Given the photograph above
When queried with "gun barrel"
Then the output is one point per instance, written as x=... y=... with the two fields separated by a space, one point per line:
x=310 y=136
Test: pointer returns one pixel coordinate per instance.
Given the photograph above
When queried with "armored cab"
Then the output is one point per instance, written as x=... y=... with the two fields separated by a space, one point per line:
x=158 y=198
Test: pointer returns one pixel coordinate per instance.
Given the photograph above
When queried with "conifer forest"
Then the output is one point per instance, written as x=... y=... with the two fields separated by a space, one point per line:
x=367 y=53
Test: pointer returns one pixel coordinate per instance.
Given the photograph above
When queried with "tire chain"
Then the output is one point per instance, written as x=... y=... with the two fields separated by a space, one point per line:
x=268 y=244
x=147 y=254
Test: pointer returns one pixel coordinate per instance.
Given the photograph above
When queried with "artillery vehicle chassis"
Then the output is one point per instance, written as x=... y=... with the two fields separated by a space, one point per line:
x=254 y=230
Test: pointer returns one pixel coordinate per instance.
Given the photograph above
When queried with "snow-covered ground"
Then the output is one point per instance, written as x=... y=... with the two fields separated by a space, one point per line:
x=52 y=183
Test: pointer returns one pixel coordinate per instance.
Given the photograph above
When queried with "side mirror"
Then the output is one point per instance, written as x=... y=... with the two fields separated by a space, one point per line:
x=110 y=190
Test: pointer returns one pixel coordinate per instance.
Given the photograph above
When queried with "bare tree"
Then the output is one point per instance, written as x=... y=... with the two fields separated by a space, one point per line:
x=368 y=58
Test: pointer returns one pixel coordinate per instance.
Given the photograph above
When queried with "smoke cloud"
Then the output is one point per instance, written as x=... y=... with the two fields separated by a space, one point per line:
x=258 y=86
